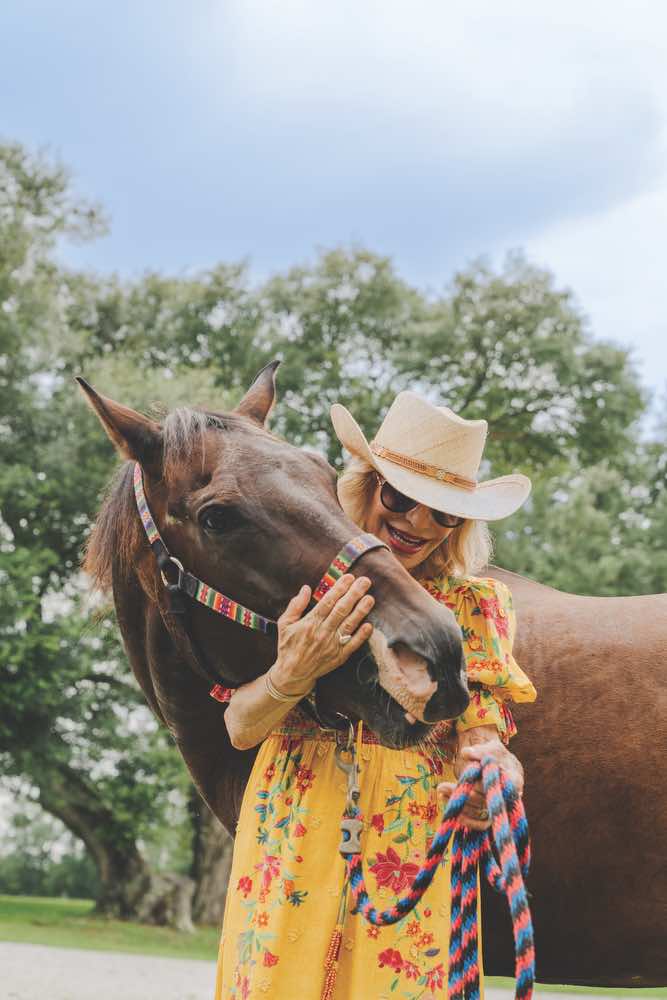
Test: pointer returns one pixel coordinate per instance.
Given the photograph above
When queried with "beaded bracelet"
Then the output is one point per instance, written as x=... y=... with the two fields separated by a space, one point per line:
x=278 y=695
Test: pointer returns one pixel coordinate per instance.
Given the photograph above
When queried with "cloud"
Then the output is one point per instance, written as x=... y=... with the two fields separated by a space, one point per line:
x=616 y=265
x=430 y=131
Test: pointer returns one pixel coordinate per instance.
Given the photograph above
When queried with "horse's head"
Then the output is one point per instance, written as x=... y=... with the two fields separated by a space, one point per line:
x=255 y=517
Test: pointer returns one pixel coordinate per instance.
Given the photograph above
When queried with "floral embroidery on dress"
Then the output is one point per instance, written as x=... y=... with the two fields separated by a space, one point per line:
x=485 y=612
x=280 y=815
x=407 y=822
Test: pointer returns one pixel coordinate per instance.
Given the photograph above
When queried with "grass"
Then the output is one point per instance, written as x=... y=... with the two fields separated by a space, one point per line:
x=70 y=923
x=605 y=991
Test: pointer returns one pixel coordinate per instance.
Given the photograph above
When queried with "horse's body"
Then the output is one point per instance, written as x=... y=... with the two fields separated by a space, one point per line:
x=592 y=746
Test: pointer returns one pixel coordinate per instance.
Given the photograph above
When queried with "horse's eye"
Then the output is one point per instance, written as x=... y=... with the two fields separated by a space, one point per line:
x=214 y=519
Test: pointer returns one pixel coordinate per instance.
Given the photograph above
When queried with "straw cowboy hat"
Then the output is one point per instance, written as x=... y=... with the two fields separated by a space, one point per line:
x=432 y=455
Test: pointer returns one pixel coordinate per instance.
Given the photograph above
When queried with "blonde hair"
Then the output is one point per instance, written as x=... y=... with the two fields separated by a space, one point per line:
x=466 y=550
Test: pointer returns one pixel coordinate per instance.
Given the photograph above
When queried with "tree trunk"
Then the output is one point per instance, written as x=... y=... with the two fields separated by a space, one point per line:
x=130 y=890
x=212 y=858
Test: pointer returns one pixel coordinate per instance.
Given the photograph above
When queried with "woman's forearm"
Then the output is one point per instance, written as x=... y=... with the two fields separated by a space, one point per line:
x=253 y=712
x=478 y=734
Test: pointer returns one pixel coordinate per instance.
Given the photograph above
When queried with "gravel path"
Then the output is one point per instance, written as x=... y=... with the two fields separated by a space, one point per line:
x=36 y=972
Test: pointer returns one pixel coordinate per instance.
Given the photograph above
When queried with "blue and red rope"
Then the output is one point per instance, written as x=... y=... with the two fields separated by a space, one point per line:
x=470 y=848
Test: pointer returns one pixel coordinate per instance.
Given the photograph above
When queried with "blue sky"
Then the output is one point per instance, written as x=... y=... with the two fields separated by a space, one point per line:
x=430 y=131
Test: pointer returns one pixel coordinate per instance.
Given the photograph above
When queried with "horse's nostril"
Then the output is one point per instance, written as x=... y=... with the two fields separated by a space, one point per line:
x=366 y=670
x=414 y=669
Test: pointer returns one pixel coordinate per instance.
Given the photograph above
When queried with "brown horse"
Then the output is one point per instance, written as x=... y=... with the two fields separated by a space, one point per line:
x=592 y=746
x=255 y=517
x=595 y=748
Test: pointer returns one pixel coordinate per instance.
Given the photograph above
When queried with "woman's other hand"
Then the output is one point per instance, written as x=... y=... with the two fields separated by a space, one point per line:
x=310 y=646
x=474 y=745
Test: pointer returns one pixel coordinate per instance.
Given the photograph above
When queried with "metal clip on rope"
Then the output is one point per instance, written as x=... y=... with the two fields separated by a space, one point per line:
x=351 y=825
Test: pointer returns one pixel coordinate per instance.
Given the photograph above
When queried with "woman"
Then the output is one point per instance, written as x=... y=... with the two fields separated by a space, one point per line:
x=415 y=488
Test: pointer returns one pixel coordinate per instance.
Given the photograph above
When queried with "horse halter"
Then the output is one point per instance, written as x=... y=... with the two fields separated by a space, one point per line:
x=196 y=589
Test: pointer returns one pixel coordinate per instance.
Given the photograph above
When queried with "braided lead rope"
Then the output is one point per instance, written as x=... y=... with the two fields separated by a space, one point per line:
x=470 y=847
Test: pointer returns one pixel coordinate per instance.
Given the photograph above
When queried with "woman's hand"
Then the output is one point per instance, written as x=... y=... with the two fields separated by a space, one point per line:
x=474 y=744
x=310 y=646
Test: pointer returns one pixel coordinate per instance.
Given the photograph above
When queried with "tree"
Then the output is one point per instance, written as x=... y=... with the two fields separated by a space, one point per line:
x=599 y=530
x=71 y=721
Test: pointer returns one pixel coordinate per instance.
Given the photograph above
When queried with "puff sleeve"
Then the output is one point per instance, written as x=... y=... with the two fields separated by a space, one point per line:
x=485 y=613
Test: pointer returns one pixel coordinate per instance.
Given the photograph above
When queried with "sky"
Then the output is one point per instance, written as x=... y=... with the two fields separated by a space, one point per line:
x=434 y=131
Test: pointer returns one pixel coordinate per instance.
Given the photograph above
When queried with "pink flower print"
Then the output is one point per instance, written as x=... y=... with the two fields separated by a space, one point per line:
x=304 y=779
x=490 y=608
x=391 y=871
x=244 y=885
x=435 y=977
x=270 y=868
x=410 y=969
x=392 y=958
x=377 y=822
x=269 y=958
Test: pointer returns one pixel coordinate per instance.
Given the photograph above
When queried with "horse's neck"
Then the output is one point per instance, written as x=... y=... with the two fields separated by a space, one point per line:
x=181 y=702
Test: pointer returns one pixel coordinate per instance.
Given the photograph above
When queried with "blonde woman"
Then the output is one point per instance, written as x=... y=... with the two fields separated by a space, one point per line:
x=415 y=487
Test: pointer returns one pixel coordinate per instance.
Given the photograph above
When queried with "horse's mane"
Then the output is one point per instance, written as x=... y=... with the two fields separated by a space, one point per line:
x=117 y=535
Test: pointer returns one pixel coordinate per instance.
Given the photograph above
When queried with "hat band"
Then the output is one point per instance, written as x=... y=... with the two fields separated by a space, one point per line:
x=423 y=468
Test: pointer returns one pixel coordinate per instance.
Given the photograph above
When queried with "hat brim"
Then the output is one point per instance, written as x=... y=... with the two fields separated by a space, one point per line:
x=490 y=501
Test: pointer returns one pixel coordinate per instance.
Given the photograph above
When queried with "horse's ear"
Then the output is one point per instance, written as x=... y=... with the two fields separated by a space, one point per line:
x=261 y=396
x=135 y=436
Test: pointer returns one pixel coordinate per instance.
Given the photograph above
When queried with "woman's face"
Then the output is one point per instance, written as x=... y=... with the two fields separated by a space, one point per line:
x=412 y=536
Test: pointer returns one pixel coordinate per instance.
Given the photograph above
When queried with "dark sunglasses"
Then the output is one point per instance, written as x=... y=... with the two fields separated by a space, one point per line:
x=398 y=503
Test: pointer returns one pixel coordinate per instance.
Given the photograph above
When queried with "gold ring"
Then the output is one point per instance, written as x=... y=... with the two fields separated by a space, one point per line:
x=484 y=814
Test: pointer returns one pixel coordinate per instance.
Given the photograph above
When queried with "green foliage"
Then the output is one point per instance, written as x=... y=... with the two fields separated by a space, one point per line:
x=597 y=530
x=29 y=865
x=71 y=720
x=513 y=349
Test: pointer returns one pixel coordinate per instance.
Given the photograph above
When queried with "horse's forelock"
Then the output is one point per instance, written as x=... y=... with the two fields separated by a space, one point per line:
x=184 y=431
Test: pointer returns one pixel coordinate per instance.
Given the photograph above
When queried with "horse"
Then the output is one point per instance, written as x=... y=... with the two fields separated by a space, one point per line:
x=245 y=510
x=594 y=747
x=592 y=755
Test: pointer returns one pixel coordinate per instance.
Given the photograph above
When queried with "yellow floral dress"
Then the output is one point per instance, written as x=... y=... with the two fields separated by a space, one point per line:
x=287 y=883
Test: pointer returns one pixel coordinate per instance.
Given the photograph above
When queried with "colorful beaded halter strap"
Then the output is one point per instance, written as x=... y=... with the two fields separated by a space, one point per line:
x=211 y=598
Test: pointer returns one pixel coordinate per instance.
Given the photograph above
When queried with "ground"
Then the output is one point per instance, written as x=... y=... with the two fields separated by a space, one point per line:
x=38 y=972
x=56 y=949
